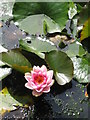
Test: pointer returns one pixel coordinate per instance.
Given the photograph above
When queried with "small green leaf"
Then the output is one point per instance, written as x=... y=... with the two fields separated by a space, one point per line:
x=16 y=60
x=81 y=69
x=8 y=102
x=86 y=30
x=37 y=46
x=62 y=66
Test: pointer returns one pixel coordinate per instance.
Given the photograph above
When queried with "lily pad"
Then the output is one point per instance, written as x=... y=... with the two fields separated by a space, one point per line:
x=75 y=49
x=39 y=24
x=37 y=46
x=57 y=11
x=62 y=66
x=16 y=60
x=8 y=103
x=81 y=70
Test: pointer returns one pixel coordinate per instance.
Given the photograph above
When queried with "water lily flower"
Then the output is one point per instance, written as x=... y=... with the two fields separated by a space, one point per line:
x=39 y=80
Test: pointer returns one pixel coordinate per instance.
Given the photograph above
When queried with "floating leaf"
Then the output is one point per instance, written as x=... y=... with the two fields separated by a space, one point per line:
x=39 y=24
x=75 y=49
x=16 y=60
x=37 y=46
x=86 y=30
x=81 y=69
x=62 y=66
x=4 y=72
x=55 y=10
x=8 y=102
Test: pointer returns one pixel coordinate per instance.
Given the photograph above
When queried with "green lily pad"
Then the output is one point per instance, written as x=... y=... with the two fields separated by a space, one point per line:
x=8 y=102
x=16 y=60
x=39 y=24
x=62 y=66
x=75 y=49
x=37 y=46
x=81 y=70
x=57 y=11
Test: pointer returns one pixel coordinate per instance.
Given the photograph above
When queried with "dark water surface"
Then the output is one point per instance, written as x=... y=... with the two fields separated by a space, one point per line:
x=66 y=101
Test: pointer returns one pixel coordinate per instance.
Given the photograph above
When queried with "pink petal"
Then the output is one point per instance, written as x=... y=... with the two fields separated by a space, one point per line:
x=36 y=68
x=43 y=85
x=51 y=83
x=28 y=86
x=46 y=89
x=27 y=77
x=36 y=94
x=49 y=76
x=43 y=68
x=50 y=73
x=31 y=85
x=27 y=74
x=39 y=89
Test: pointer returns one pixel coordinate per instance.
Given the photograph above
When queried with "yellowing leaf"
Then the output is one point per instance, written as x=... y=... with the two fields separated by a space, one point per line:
x=86 y=30
x=9 y=101
x=22 y=68
x=16 y=60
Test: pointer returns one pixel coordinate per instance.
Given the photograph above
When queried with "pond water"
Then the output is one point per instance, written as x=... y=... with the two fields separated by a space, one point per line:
x=67 y=101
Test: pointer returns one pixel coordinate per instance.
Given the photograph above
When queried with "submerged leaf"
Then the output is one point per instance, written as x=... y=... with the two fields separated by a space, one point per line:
x=84 y=14
x=16 y=60
x=62 y=66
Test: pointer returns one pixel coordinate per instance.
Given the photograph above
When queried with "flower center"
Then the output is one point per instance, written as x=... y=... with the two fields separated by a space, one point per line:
x=39 y=79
